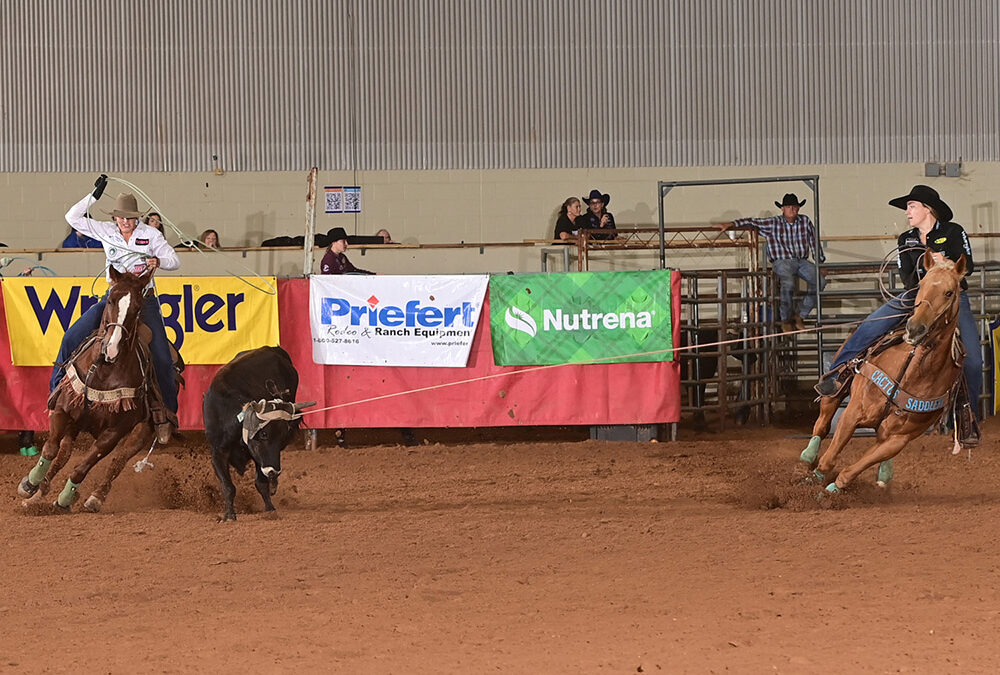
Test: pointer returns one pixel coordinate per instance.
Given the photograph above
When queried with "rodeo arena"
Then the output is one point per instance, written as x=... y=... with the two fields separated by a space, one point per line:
x=443 y=337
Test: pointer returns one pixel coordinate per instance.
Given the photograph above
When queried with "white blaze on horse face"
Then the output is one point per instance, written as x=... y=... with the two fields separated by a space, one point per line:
x=114 y=342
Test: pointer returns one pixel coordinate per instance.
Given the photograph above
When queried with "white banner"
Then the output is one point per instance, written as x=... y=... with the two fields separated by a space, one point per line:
x=362 y=320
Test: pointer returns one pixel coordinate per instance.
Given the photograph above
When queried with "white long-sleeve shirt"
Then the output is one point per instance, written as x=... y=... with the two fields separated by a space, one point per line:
x=124 y=256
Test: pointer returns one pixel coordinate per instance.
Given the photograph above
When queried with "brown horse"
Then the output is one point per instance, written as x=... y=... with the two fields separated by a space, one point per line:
x=105 y=392
x=902 y=390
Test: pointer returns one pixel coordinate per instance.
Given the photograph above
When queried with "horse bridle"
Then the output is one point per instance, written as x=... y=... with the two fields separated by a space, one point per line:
x=938 y=315
x=119 y=324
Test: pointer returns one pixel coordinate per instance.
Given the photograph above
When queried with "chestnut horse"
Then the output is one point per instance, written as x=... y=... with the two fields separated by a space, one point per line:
x=902 y=390
x=104 y=392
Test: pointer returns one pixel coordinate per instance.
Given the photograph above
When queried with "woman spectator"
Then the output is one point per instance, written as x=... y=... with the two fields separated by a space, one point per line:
x=154 y=220
x=567 y=225
x=209 y=238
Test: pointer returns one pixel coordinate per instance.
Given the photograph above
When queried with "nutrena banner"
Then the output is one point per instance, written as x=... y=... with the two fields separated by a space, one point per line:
x=208 y=319
x=364 y=320
x=544 y=319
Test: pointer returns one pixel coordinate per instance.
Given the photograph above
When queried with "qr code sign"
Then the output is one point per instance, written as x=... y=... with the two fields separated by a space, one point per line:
x=352 y=200
x=334 y=201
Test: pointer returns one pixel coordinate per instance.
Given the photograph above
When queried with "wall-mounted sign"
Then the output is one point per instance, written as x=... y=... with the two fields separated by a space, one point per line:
x=343 y=199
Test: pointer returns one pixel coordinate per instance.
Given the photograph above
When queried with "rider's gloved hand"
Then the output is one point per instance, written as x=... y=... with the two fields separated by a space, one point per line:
x=99 y=185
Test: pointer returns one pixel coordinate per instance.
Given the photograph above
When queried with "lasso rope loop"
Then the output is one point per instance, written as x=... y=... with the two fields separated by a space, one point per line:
x=887 y=295
x=199 y=246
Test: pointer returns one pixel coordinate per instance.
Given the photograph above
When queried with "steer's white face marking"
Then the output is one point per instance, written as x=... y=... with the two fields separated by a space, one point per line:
x=270 y=471
x=114 y=342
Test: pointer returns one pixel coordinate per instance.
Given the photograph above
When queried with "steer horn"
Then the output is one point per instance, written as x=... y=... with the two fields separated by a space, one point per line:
x=299 y=406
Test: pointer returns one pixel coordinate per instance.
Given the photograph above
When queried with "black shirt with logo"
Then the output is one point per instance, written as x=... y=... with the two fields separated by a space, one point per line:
x=947 y=238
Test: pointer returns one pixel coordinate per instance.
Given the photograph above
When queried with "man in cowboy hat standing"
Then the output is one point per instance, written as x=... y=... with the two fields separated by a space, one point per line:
x=129 y=246
x=597 y=216
x=790 y=239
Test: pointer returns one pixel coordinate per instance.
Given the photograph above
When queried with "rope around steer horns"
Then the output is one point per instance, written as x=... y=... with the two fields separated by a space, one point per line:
x=595 y=361
x=256 y=415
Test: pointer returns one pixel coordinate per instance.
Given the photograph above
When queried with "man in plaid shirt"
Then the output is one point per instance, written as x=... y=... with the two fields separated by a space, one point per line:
x=790 y=238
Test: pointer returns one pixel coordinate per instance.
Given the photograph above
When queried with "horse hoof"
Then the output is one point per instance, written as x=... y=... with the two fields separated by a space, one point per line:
x=59 y=508
x=885 y=471
x=813 y=478
x=26 y=489
x=93 y=504
x=811 y=453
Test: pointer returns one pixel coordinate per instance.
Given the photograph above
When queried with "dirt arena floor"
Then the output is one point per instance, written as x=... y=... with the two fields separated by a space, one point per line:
x=547 y=554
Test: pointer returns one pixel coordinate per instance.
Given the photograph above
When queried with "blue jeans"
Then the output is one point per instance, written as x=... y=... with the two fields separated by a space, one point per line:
x=159 y=348
x=787 y=269
x=884 y=319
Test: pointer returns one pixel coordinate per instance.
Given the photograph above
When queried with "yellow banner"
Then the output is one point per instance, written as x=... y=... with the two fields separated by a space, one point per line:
x=208 y=319
x=995 y=333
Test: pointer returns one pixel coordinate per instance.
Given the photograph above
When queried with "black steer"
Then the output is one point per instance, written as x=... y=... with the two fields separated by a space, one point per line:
x=249 y=413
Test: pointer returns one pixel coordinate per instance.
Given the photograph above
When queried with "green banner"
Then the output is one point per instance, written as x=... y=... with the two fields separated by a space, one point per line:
x=542 y=319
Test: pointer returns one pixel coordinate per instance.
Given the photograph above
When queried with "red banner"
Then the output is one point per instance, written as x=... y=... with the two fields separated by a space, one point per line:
x=480 y=395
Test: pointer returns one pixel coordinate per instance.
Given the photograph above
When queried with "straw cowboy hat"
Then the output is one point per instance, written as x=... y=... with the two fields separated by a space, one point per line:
x=125 y=207
x=927 y=196
x=790 y=199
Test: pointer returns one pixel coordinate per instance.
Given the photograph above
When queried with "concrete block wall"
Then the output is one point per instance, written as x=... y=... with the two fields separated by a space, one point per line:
x=496 y=206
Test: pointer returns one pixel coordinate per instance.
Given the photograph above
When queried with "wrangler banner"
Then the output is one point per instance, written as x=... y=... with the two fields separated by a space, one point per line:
x=546 y=319
x=208 y=319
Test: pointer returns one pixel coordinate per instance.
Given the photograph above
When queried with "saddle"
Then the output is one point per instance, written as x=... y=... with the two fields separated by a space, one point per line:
x=844 y=374
x=956 y=409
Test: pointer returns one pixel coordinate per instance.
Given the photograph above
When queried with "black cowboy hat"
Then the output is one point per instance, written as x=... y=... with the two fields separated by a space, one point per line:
x=596 y=194
x=927 y=196
x=336 y=234
x=790 y=199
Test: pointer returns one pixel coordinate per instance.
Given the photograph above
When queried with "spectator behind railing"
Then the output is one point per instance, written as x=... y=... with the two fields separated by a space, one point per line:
x=569 y=222
x=598 y=217
x=386 y=237
x=335 y=262
x=77 y=240
x=209 y=238
x=791 y=238
x=153 y=220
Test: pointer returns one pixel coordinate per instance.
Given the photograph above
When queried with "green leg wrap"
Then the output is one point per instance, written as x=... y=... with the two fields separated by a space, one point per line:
x=832 y=488
x=68 y=494
x=811 y=452
x=29 y=451
x=885 y=471
x=37 y=474
x=820 y=477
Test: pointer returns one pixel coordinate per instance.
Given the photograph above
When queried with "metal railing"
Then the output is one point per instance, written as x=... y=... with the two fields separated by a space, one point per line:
x=750 y=377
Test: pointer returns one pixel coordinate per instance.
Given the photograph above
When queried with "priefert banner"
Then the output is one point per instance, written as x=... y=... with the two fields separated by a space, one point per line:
x=609 y=317
x=363 y=320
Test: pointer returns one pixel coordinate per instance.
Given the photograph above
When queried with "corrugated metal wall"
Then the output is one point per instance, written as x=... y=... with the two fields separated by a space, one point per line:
x=148 y=85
